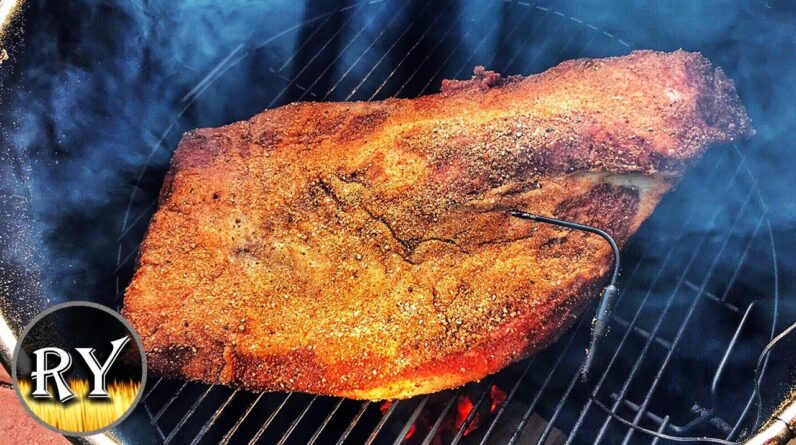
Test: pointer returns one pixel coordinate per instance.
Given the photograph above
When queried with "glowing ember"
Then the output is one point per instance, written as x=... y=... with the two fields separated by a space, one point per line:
x=410 y=433
x=498 y=396
x=463 y=408
x=385 y=406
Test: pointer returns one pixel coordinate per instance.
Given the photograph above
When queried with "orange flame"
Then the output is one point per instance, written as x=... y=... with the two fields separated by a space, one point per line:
x=82 y=413
x=463 y=408
x=498 y=396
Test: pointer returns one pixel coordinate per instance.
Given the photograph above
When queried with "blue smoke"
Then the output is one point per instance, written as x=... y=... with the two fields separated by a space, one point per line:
x=98 y=91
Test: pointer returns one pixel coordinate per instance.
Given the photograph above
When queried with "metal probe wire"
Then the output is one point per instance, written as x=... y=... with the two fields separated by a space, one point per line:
x=755 y=393
x=599 y=325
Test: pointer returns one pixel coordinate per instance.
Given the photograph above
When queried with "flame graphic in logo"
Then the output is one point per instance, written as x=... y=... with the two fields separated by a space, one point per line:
x=82 y=413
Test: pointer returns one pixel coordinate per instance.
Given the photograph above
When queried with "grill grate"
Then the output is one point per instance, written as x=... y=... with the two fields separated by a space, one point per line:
x=665 y=301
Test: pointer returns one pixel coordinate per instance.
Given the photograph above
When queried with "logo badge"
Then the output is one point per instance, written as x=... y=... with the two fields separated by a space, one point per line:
x=79 y=368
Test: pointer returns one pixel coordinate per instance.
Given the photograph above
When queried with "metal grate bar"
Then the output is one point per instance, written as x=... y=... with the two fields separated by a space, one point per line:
x=309 y=62
x=157 y=428
x=505 y=404
x=507 y=37
x=296 y=421
x=383 y=56
x=688 y=317
x=664 y=312
x=306 y=42
x=305 y=23
x=348 y=45
x=169 y=402
x=531 y=33
x=552 y=420
x=126 y=228
x=122 y=263
x=473 y=411
x=635 y=407
x=152 y=389
x=641 y=331
x=642 y=305
x=773 y=327
x=742 y=261
x=269 y=420
x=353 y=423
x=737 y=427
x=188 y=414
x=412 y=49
x=661 y=429
x=428 y=56
x=527 y=415
x=730 y=348
x=325 y=421
x=774 y=265
x=386 y=416
x=234 y=429
x=712 y=297
x=434 y=428
x=209 y=424
x=411 y=420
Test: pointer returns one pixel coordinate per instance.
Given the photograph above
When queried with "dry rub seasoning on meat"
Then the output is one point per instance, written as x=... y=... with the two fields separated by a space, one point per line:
x=364 y=250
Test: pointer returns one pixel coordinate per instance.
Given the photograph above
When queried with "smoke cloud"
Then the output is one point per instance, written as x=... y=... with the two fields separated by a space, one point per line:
x=98 y=91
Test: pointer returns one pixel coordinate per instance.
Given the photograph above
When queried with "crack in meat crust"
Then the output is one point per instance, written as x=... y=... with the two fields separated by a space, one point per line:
x=363 y=249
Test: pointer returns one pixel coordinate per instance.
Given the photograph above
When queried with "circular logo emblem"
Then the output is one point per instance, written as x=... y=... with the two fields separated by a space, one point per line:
x=79 y=368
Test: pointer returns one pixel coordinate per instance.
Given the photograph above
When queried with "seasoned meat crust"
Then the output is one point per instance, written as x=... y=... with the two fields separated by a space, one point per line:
x=362 y=249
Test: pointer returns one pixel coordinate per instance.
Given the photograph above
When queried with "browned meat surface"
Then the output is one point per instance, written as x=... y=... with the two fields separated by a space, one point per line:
x=364 y=250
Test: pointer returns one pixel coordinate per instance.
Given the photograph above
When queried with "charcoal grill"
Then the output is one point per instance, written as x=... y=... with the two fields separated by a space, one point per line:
x=699 y=289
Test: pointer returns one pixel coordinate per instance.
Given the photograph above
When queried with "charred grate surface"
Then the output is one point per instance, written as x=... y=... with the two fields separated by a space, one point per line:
x=698 y=286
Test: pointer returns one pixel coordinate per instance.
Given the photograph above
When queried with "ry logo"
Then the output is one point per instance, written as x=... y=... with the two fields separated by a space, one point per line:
x=79 y=368
x=43 y=372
